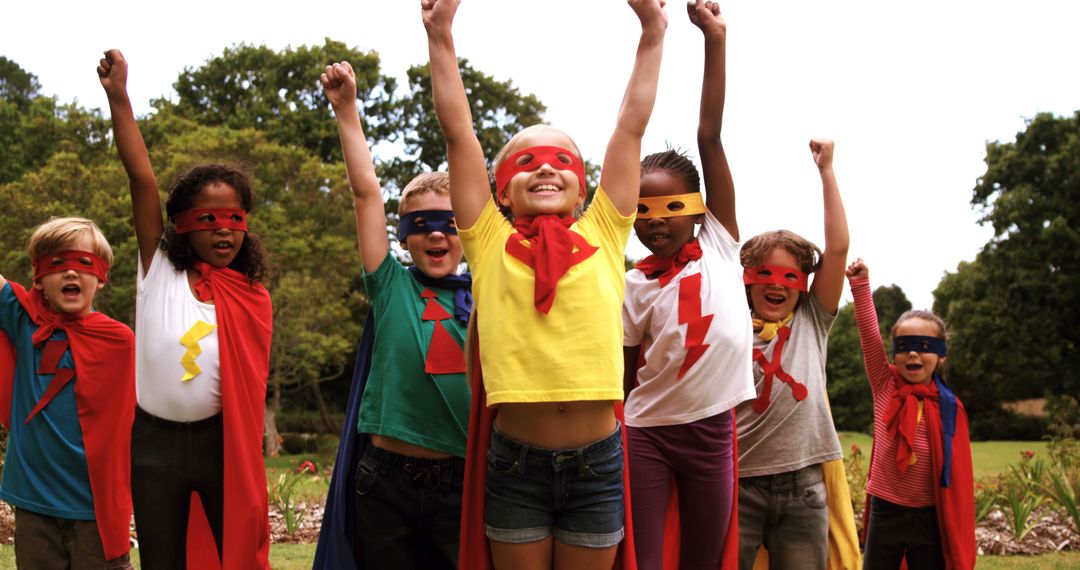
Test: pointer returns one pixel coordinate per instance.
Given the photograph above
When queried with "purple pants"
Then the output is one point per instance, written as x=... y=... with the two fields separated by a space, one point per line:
x=698 y=455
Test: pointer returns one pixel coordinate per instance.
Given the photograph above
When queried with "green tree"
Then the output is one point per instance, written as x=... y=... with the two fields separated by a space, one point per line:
x=278 y=93
x=1013 y=310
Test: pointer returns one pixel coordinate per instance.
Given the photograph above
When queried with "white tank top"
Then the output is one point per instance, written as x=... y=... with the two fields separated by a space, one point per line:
x=175 y=338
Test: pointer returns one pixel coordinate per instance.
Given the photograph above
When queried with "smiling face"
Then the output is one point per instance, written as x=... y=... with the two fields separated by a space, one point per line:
x=664 y=236
x=773 y=302
x=71 y=291
x=437 y=254
x=547 y=189
x=217 y=247
x=917 y=367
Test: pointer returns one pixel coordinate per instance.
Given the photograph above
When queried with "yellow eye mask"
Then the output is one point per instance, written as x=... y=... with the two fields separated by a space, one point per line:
x=670 y=206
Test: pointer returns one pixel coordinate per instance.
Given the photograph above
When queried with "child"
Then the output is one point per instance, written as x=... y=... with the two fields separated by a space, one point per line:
x=67 y=395
x=684 y=313
x=202 y=359
x=549 y=291
x=920 y=492
x=415 y=405
x=786 y=436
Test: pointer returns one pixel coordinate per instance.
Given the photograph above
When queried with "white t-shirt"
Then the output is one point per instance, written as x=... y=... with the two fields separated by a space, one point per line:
x=722 y=376
x=166 y=310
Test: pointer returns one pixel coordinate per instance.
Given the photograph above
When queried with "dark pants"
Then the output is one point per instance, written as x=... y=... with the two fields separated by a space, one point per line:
x=698 y=456
x=42 y=541
x=786 y=513
x=408 y=510
x=897 y=532
x=169 y=461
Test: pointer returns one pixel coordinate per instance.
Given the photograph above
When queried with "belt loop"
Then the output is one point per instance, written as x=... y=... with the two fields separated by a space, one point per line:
x=523 y=455
x=582 y=461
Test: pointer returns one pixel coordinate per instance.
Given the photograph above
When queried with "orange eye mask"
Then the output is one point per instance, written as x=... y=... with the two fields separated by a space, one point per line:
x=556 y=157
x=775 y=275
x=197 y=219
x=670 y=206
x=61 y=261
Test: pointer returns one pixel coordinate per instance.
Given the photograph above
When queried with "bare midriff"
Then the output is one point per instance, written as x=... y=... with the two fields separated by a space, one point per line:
x=557 y=425
x=407 y=449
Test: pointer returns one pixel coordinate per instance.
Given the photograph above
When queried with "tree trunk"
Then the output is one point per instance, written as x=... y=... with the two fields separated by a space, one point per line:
x=324 y=412
x=271 y=437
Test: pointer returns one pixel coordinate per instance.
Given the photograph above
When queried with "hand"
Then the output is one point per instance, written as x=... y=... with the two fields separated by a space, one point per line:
x=858 y=270
x=339 y=84
x=651 y=13
x=112 y=71
x=822 y=150
x=438 y=15
x=706 y=15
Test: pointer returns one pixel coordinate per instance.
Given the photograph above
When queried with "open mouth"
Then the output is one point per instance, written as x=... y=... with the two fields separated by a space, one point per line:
x=437 y=253
x=223 y=245
x=71 y=291
x=775 y=298
x=914 y=367
x=545 y=189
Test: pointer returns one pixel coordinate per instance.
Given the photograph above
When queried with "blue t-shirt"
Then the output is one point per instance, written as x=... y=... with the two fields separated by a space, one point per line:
x=45 y=470
x=401 y=400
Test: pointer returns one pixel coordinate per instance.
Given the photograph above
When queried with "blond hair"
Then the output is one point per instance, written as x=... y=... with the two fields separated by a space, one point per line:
x=58 y=234
x=504 y=152
x=438 y=182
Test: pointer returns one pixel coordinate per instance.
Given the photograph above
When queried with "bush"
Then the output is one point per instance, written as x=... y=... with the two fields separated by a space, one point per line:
x=304 y=421
x=996 y=424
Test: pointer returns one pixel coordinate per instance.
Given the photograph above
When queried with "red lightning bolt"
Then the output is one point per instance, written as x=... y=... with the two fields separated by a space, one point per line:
x=697 y=325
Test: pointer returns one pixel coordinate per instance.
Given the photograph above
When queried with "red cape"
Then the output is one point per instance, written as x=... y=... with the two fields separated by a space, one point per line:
x=245 y=326
x=104 y=355
x=955 y=504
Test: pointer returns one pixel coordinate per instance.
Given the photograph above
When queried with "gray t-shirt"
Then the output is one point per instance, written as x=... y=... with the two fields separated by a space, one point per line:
x=791 y=434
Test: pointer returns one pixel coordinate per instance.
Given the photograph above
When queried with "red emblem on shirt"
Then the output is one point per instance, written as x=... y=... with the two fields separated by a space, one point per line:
x=444 y=356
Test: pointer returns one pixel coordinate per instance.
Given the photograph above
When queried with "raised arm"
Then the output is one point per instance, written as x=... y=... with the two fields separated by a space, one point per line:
x=339 y=85
x=145 y=200
x=829 y=281
x=621 y=173
x=719 y=187
x=874 y=357
x=470 y=188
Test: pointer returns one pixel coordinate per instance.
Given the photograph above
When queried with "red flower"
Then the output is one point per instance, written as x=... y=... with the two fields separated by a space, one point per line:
x=854 y=448
x=306 y=466
x=1028 y=454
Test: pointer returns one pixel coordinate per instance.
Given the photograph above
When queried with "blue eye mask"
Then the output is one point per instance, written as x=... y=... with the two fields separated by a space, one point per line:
x=915 y=343
x=425 y=222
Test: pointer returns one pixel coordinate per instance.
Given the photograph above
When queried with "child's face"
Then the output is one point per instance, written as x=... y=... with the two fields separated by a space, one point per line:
x=916 y=367
x=217 y=247
x=664 y=236
x=437 y=254
x=546 y=190
x=773 y=302
x=71 y=291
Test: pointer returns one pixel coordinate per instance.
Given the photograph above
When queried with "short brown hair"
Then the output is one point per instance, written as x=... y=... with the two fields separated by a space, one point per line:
x=756 y=248
x=438 y=182
x=58 y=234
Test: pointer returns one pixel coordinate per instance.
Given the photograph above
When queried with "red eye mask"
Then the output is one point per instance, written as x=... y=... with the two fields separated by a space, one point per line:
x=775 y=275
x=197 y=219
x=61 y=261
x=555 y=157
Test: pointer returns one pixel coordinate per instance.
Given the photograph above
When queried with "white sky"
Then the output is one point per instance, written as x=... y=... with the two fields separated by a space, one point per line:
x=911 y=91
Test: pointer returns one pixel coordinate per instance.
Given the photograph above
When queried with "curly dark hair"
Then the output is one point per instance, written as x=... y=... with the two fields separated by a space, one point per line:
x=677 y=164
x=252 y=259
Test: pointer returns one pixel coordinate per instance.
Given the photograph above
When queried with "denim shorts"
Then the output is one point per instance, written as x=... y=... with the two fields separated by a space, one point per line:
x=574 y=494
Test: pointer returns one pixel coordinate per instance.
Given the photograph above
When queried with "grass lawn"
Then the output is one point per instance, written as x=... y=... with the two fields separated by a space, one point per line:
x=988 y=458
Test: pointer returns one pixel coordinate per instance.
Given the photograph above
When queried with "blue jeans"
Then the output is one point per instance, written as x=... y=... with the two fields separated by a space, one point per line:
x=574 y=494
x=787 y=513
x=408 y=510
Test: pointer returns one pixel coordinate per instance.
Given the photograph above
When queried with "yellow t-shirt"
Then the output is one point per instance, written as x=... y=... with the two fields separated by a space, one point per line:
x=575 y=351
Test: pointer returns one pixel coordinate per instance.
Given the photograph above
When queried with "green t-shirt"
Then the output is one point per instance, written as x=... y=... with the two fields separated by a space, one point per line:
x=401 y=400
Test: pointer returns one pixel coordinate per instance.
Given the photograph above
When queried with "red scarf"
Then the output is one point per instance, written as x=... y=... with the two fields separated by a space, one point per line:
x=902 y=417
x=245 y=326
x=666 y=268
x=104 y=355
x=550 y=253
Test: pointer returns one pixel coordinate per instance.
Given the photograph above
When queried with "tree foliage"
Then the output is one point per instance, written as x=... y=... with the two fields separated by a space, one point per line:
x=1013 y=310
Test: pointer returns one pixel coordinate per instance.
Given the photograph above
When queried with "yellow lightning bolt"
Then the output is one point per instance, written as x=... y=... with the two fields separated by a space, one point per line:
x=191 y=340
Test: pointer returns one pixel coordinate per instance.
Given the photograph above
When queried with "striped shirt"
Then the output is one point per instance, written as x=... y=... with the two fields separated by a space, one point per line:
x=915 y=488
